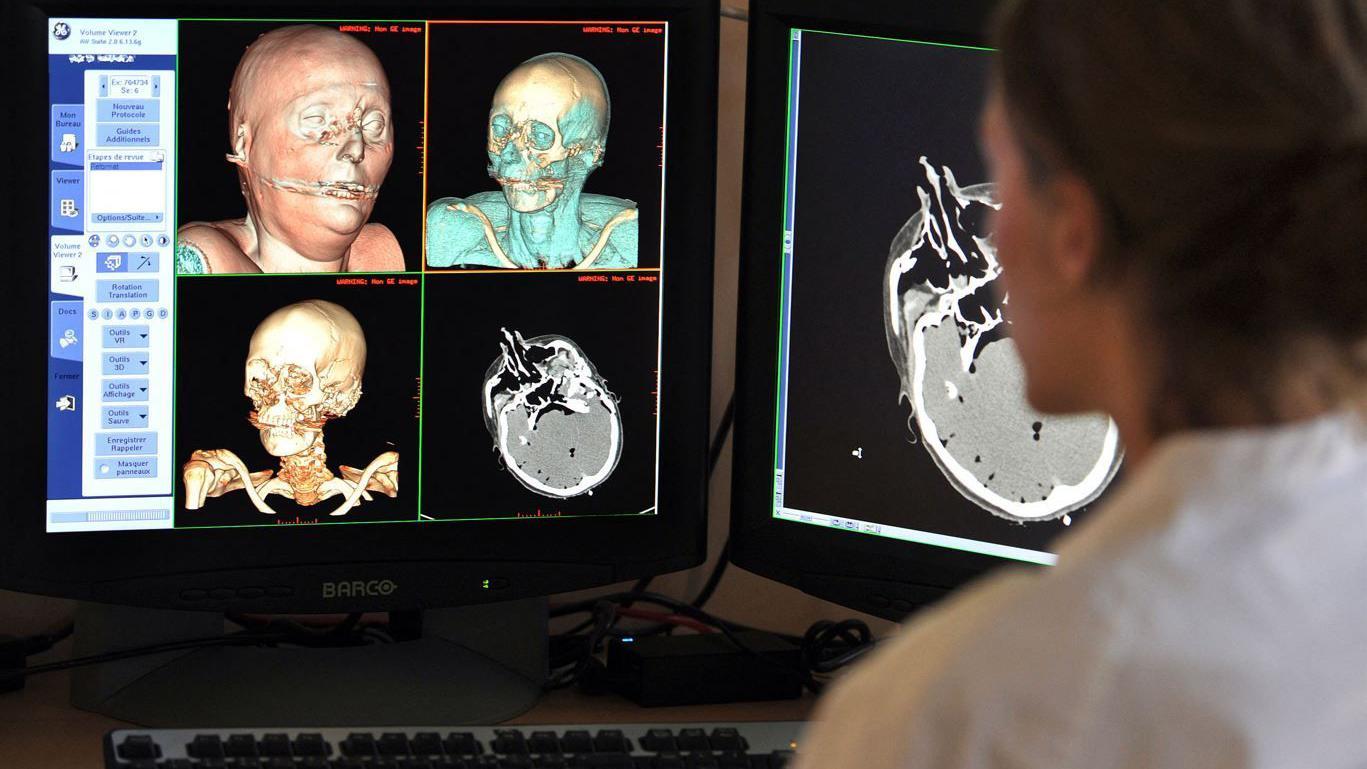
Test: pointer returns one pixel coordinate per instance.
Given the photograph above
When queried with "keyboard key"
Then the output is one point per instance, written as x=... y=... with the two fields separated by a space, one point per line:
x=780 y=759
x=668 y=760
x=515 y=762
x=176 y=763
x=577 y=741
x=605 y=761
x=611 y=741
x=732 y=759
x=551 y=761
x=138 y=746
x=240 y=746
x=727 y=739
x=693 y=739
x=358 y=744
x=244 y=763
x=141 y=763
x=274 y=744
x=416 y=763
x=509 y=742
x=205 y=746
x=393 y=744
x=277 y=762
x=311 y=744
x=659 y=741
x=314 y=762
x=544 y=742
x=426 y=744
x=702 y=760
x=462 y=744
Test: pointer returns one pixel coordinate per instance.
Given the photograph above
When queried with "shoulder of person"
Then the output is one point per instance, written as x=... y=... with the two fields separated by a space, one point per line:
x=375 y=250
x=207 y=248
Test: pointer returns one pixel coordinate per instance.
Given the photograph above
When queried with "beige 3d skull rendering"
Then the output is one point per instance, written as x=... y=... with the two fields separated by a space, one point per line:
x=304 y=367
x=310 y=134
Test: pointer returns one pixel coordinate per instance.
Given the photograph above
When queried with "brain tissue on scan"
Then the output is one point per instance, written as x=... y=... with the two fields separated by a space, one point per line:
x=949 y=339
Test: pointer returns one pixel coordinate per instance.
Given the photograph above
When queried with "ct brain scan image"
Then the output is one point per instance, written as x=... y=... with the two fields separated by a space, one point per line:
x=556 y=426
x=962 y=376
x=547 y=132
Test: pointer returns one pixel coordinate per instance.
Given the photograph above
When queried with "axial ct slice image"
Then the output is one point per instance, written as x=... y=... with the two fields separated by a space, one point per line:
x=960 y=372
x=547 y=132
x=556 y=426
x=311 y=135
x=304 y=367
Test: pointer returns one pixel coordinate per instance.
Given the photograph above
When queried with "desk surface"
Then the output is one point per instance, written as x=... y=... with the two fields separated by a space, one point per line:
x=39 y=728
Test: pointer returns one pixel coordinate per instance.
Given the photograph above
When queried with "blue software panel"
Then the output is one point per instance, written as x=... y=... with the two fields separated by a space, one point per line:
x=111 y=224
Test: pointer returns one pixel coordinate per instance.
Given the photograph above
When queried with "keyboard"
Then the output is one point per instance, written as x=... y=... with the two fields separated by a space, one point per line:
x=754 y=745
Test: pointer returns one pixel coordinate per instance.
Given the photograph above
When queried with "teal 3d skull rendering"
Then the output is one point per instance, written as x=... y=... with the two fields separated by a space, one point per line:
x=547 y=132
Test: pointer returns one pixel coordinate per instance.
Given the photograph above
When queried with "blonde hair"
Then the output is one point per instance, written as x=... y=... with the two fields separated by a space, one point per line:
x=1226 y=141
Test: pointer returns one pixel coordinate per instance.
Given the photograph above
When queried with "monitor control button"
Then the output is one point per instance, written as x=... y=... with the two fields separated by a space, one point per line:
x=251 y=592
x=279 y=591
x=222 y=593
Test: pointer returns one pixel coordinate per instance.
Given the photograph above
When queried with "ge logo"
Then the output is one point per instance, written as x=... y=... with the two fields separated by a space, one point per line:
x=61 y=30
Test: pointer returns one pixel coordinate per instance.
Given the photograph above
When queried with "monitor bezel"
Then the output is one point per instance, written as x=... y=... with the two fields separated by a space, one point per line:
x=425 y=565
x=883 y=577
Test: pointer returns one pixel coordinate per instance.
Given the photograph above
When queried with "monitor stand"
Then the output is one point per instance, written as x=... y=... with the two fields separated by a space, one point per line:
x=473 y=665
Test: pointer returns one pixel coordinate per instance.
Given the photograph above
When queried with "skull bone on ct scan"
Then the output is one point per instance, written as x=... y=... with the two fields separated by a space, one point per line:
x=962 y=376
x=556 y=426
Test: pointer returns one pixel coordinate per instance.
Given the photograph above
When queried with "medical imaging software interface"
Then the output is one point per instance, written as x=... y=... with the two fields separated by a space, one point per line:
x=331 y=271
x=901 y=410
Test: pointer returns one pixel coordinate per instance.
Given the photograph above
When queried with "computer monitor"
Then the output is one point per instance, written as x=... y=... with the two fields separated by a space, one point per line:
x=885 y=452
x=467 y=243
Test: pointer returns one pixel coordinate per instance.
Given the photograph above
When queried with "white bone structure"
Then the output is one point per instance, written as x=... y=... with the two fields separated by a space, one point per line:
x=304 y=367
x=962 y=375
x=555 y=425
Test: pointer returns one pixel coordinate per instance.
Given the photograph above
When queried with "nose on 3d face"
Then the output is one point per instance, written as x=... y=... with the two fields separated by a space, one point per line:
x=547 y=129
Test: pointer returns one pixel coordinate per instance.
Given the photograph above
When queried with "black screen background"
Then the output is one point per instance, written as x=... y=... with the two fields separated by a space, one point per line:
x=869 y=109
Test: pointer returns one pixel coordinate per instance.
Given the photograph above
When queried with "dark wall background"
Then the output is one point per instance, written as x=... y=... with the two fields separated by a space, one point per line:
x=211 y=410
x=467 y=62
x=208 y=189
x=869 y=110
x=615 y=324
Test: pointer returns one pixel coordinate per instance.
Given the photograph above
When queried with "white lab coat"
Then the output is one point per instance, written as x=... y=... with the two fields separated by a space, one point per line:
x=1213 y=614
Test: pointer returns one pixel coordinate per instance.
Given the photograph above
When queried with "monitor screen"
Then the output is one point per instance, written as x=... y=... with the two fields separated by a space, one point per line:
x=354 y=270
x=901 y=409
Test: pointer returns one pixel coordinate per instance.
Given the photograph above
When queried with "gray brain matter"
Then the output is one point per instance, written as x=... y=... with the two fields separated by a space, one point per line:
x=556 y=426
x=961 y=373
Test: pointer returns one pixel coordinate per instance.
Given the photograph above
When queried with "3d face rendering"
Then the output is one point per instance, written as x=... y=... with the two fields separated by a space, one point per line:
x=555 y=425
x=547 y=132
x=310 y=134
x=304 y=367
x=961 y=373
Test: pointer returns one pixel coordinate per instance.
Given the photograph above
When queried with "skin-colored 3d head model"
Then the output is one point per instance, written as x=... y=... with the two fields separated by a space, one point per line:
x=547 y=131
x=304 y=367
x=310 y=133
